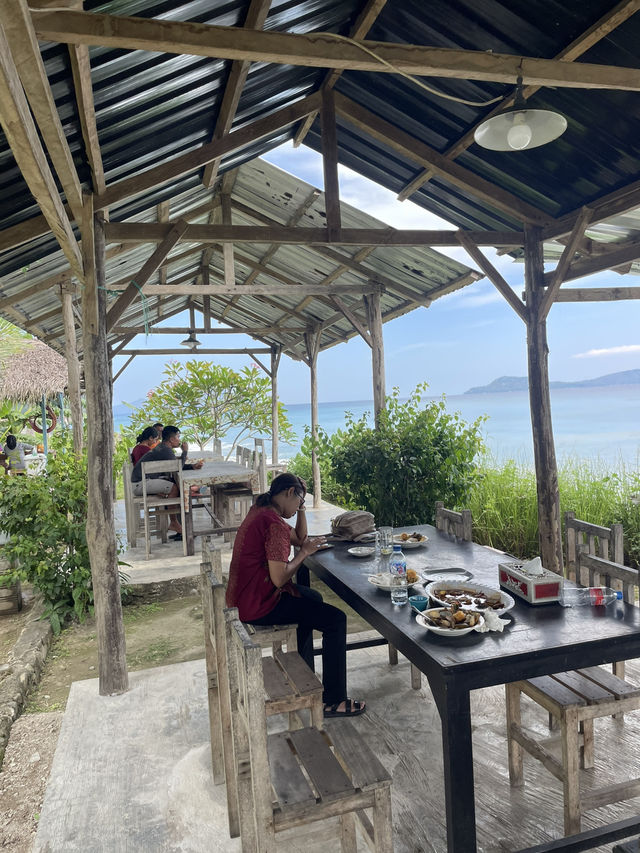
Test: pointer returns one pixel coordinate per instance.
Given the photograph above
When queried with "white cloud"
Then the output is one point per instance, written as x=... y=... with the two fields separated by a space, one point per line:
x=596 y=353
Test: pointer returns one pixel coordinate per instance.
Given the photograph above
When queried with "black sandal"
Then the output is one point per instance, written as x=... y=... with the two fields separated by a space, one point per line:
x=353 y=708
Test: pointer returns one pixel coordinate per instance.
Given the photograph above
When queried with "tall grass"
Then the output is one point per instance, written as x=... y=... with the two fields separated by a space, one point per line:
x=504 y=503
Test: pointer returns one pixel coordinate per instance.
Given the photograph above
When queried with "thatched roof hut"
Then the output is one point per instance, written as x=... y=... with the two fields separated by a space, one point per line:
x=33 y=372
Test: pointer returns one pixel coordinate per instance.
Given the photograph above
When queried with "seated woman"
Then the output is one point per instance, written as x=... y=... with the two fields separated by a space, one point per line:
x=14 y=452
x=147 y=439
x=260 y=586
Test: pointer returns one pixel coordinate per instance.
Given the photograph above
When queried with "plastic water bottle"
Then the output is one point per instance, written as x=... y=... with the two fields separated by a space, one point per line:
x=585 y=595
x=398 y=570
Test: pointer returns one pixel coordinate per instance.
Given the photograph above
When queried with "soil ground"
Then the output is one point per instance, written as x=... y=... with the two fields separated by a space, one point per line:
x=158 y=632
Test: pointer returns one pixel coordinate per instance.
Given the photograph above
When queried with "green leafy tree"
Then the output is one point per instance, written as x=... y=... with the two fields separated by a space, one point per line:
x=420 y=453
x=209 y=401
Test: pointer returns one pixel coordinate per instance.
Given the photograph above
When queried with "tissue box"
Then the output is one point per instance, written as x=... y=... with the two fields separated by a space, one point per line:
x=536 y=589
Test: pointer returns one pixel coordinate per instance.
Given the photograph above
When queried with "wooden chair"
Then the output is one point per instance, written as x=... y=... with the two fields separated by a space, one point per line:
x=289 y=686
x=585 y=538
x=162 y=506
x=293 y=778
x=575 y=699
x=134 y=509
x=454 y=523
x=234 y=502
x=275 y=636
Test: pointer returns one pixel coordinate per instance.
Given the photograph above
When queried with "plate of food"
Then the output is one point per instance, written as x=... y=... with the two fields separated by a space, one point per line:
x=410 y=540
x=384 y=580
x=361 y=551
x=470 y=596
x=450 y=621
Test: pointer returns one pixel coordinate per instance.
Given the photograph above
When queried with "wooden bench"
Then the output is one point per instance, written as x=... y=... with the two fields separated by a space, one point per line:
x=575 y=699
x=582 y=537
x=161 y=505
x=454 y=523
x=288 y=686
x=293 y=778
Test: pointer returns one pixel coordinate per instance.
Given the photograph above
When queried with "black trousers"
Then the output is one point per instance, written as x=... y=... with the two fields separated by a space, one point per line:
x=310 y=613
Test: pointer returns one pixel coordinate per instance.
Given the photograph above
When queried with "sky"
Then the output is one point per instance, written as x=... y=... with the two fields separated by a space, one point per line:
x=464 y=339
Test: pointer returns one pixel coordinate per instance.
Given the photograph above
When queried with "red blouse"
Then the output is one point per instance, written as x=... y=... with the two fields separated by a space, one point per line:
x=138 y=451
x=263 y=535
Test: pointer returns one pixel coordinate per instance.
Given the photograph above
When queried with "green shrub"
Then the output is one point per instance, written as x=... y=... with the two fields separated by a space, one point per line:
x=419 y=454
x=301 y=465
x=44 y=517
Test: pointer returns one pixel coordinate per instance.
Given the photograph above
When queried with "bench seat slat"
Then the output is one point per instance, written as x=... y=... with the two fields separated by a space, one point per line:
x=287 y=779
x=365 y=768
x=320 y=763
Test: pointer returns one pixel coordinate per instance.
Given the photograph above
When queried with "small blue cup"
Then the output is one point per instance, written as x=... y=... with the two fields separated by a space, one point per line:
x=419 y=602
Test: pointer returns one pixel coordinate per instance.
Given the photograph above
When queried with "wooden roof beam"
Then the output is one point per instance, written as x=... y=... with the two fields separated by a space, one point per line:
x=18 y=27
x=323 y=50
x=22 y=136
x=605 y=25
x=199 y=351
x=81 y=72
x=363 y=24
x=408 y=146
x=597 y=294
x=184 y=164
x=154 y=232
x=250 y=290
x=493 y=275
x=256 y=16
x=610 y=260
x=566 y=258
x=613 y=204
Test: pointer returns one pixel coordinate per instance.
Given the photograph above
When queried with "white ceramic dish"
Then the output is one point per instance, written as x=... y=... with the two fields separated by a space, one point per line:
x=383 y=581
x=408 y=544
x=361 y=551
x=433 y=588
x=439 y=575
x=445 y=632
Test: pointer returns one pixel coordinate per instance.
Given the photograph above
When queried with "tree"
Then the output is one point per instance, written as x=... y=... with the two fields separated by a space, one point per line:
x=208 y=401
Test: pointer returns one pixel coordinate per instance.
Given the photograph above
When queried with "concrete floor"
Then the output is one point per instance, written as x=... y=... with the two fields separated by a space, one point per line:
x=132 y=772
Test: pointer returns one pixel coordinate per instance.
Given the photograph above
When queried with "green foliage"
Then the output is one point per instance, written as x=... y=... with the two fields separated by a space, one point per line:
x=44 y=517
x=208 y=401
x=503 y=502
x=419 y=453
x=301 y=465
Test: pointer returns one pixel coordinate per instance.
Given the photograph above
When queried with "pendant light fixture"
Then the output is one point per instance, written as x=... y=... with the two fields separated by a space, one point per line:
x=519 y=128
x=192 y=342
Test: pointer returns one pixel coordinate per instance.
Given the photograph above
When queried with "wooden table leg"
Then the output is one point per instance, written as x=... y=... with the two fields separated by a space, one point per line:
x=457 y=751
x=188 y=528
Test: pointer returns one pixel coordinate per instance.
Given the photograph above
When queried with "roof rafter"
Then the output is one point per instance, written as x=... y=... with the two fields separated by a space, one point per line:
x=322 y=50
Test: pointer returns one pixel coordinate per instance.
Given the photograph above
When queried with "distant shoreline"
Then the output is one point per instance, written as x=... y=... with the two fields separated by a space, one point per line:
x=507 y=384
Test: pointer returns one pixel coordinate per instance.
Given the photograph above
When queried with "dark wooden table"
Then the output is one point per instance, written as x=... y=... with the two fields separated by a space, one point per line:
x=539 y=640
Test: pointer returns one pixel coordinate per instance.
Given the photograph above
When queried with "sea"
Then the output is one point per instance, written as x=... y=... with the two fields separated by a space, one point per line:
x=595 y=424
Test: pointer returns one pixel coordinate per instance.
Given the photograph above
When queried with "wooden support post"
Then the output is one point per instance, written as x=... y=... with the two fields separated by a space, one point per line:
x=374 y=317
x=549 y=531
x=276 y=352
x=101 y=536
x=312 y=341
x=73 y=365
x=45 y=437
x=330 y=164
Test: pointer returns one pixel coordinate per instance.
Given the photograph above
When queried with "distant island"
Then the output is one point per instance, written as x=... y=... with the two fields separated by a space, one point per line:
x=521 y=383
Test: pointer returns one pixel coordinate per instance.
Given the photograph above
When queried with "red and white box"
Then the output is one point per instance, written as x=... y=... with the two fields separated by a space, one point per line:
x=534 y=588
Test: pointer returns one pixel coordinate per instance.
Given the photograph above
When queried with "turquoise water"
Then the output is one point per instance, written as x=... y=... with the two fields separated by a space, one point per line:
x=588 y=423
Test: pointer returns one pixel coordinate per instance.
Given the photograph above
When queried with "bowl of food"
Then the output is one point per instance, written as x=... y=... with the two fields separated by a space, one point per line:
x=361 y=551
x=410 y=540
x=450 y=621
x=470 y=596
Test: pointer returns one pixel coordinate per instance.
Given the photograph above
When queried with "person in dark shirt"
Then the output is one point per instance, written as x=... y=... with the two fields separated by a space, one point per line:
x=146 y=441
x=163 y=484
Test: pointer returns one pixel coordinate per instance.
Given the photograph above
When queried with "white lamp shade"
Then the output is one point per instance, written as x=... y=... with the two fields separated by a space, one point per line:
x=520 y=129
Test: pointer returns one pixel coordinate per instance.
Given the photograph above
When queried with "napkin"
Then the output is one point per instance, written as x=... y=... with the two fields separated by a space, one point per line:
x=533 y=567
x=492 y=622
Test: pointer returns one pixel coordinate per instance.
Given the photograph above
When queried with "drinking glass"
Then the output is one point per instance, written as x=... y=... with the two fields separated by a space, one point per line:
x=386 y=540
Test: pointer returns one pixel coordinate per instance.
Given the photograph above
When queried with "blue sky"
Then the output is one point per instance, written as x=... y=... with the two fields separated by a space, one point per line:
x=464 y=339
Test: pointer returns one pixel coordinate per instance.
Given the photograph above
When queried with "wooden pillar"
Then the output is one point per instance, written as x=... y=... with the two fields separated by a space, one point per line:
x=73 y=366
x=312 y=341
x=276 y=352
x=101 y=536
x=549 y=530
x=45 y=437
x=374 y=318
x=330 y=164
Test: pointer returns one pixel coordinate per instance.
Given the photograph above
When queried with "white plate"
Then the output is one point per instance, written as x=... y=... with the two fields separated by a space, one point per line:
x=439 y=575
x=383 y=581
x=445 y=632
x=361 y=551
x=507 y=601
x=408 y=544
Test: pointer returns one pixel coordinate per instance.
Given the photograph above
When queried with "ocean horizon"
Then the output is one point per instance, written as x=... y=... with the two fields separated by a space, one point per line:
x=588 y=423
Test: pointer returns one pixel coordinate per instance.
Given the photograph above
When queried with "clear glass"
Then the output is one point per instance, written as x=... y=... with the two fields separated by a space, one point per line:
x=386 y=540
x=399 y=591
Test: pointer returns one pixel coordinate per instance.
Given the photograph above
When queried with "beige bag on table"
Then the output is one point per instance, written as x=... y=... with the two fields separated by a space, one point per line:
x=353 y=526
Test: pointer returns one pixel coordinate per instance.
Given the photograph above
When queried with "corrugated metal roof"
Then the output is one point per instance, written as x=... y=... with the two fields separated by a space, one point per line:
x=153 y=106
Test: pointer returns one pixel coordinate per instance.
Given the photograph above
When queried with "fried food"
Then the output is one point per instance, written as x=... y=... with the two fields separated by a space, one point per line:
x=470 y=598
x=452 y=617
x=412 y=576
